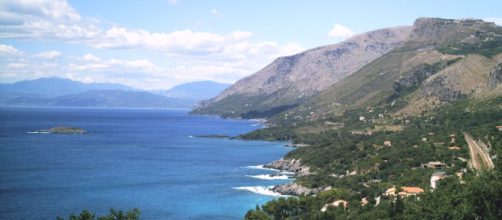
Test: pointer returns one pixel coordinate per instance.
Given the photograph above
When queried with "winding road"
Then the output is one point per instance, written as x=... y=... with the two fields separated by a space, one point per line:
x=480 y=158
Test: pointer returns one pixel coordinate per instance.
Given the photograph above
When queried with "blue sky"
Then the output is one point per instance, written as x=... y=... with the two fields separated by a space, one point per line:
x=157 y=44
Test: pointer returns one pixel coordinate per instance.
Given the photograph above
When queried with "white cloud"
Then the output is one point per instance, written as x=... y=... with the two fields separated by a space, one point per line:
x=339 y=31
x=90 y=57
x=53 y=54
x=173 y=2
x=193 y=55
x=47 y=19
x=91 y=63
x=497 y=21
x=16 y=65
x=7 y=50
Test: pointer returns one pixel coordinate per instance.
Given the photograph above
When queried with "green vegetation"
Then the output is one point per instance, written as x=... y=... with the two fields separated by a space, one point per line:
x=487 y=42
x=359 y=146
x=131 y=214
x=480 y=197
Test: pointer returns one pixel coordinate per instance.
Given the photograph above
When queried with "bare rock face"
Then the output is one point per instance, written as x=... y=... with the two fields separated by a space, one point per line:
x=433 y=31
x=290 y=80
x=290 y=165
x=438 y=87
x=294 y=189
x=495 y=76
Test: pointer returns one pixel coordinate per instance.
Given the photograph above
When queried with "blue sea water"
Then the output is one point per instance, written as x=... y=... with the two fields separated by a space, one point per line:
x=144 y=158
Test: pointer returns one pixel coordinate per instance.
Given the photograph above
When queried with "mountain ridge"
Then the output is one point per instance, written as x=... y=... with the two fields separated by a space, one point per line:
x=53 y=91
x=290 y=80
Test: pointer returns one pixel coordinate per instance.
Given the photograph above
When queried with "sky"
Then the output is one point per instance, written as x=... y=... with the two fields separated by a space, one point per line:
x=157 y=44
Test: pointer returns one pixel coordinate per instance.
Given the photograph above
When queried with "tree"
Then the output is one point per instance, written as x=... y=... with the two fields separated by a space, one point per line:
x=131 y=214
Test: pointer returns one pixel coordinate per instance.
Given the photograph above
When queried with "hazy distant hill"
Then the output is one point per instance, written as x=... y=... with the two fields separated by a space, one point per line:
x=289 y=81
x=52 y=87
x=66 y=92
x=105 y=98
x=196 y=90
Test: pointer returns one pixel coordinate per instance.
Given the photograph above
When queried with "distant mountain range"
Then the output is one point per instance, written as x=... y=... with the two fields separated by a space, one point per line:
x=66 y=92
x=195 y=90
x=52 y=87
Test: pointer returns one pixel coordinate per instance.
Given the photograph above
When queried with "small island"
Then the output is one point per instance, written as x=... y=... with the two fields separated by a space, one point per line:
x=62 y=130
x=67 y=130
x=219 y=136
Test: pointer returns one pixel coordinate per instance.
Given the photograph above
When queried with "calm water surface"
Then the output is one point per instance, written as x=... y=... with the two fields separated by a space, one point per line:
x=142 y=158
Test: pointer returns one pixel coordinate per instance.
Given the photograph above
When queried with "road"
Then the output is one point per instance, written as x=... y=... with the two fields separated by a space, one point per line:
x=480 y=158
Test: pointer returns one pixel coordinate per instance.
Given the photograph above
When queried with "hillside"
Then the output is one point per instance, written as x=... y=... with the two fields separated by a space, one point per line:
x=406 y=121
x=289 y=81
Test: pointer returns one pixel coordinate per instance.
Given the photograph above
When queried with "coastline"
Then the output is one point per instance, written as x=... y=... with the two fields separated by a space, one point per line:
x=295 y=167
x=285 y=168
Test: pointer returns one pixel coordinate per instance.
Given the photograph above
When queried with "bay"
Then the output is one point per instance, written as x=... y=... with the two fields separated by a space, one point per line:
x=151 y=159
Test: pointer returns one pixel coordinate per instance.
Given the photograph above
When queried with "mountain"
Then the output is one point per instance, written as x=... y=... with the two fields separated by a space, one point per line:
x=195 y=90
x=289 y=81
x=401 y=137
x=105 y=98
x=52 y=87
x=444 y=60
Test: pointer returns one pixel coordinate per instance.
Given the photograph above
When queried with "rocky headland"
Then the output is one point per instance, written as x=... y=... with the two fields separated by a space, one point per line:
x=293 y=166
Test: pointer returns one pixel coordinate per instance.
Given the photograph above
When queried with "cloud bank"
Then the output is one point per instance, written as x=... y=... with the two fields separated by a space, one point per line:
x=197 y=55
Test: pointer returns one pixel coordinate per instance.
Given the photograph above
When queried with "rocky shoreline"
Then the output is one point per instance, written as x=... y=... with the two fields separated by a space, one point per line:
x=293 y=166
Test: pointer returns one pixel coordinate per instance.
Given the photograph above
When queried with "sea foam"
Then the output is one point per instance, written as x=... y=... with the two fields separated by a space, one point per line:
x=269 y=177
x=262 y=190
x=259 y=167
x=38 y=132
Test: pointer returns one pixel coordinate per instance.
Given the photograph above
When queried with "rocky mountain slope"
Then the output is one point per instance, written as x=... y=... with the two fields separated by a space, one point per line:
x=289 y=81
x=444 y=60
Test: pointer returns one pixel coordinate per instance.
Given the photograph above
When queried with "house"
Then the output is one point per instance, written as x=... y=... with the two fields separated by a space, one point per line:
x=424 y=139
x=435 y=177
x=434 y=165
x=362 y=118
x=437 y=144
x=364 y=201
x=453 y=148
x=410 y=191
x=335 y=204
x=387 y=143
x=390 y=191
x=405 y=191
x=499 y=127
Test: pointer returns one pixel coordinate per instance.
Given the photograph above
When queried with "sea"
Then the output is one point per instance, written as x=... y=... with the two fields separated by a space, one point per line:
x=151 y=159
